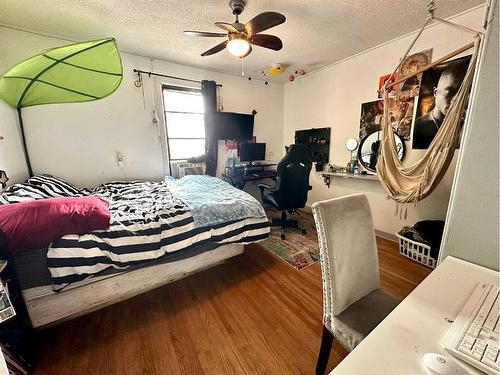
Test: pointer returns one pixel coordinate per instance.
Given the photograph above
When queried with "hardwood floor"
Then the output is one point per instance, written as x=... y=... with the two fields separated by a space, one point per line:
x=252 y=315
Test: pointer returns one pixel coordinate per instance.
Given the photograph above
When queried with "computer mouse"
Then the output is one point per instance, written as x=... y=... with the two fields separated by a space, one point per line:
x=438 y=364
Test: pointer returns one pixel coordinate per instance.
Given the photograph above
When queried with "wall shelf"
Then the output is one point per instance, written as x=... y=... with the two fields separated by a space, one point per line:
x=327 y=176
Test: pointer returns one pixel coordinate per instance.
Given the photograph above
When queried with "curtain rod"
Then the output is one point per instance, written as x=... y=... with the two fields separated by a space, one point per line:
x=138 y=71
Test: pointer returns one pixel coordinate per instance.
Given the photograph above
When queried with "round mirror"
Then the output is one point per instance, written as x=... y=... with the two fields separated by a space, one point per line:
x=369 y=149
x=351 y=144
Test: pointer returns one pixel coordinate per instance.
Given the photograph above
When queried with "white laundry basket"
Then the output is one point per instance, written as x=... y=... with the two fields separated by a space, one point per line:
x=416 y=251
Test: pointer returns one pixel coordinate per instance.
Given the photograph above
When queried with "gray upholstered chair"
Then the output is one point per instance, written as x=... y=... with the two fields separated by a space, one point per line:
x=353 y=303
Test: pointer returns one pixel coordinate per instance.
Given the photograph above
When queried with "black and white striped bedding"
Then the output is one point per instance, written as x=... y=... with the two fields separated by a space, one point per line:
x=40 y=187
x=147 y=223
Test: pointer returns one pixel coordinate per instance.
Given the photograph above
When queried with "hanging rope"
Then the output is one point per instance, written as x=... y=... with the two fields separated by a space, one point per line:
x=429 y=19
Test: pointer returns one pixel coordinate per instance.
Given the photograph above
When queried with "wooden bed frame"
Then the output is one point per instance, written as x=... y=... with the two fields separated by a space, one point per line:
x=46 y=307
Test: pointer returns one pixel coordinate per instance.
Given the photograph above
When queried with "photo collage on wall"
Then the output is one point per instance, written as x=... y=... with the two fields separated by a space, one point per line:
x=416 y=106
x=371 y=118
x=401 y=98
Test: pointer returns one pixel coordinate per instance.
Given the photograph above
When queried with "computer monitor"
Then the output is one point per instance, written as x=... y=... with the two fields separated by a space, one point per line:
x=252 y=151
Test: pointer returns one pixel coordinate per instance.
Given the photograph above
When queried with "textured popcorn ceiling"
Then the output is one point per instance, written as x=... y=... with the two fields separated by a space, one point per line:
x=316 y=33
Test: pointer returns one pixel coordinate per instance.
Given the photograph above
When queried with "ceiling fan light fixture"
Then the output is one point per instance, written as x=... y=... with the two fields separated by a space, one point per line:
x=241 y=37
x=238 y=47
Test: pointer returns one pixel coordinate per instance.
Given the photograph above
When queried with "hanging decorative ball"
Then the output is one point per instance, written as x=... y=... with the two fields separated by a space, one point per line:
x=276 y=69
x=249 y=78
x=291 y=78
x=266 y=83
x=302 y=72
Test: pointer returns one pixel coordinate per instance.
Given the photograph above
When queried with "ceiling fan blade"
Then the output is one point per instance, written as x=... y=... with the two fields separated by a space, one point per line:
x=219 y=47
x=204 y=33
x=264 y=21
x=266 y=41
x=226 y=26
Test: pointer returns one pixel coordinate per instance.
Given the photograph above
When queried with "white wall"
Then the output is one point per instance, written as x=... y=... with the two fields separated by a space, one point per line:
x=473 y=224
x=11 y=154
x=79 y=142
x=333 y=96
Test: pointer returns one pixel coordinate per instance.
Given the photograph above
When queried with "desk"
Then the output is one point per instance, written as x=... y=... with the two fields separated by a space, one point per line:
x=418 y=324
x=255 y=172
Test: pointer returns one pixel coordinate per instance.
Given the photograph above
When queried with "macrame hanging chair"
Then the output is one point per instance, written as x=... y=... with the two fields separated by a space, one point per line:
x=411 y=183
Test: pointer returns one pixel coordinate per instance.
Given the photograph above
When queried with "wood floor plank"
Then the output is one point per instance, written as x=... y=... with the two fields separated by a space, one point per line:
x=247 y=328
x=251 y=315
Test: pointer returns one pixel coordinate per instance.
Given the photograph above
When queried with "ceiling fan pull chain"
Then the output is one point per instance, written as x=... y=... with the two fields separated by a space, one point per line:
x=242 y=67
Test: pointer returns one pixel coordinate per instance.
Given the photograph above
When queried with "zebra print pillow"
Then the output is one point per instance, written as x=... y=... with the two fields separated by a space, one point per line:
x=24 y=192
x=40 y=187
x=3 y=199
x=56 y=187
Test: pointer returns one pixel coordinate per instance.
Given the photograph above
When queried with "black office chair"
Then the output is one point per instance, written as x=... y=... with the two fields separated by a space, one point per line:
x=290 y=191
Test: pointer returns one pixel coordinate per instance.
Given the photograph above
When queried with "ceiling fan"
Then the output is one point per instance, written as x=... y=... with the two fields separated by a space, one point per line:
x=240 y=37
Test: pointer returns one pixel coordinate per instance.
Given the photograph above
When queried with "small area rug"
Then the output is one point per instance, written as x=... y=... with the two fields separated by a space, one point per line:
x=298 y=250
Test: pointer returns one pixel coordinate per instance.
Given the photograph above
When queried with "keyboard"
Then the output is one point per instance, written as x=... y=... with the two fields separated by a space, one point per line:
x=474 y=335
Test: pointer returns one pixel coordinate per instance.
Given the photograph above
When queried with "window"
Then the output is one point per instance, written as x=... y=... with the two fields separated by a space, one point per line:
x=185 y=127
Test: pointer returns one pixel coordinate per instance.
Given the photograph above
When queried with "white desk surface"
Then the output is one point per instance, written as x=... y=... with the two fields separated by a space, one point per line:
x=418 y=324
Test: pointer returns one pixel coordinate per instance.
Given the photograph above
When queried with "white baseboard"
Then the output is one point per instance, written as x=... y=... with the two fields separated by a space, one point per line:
x=385 y=235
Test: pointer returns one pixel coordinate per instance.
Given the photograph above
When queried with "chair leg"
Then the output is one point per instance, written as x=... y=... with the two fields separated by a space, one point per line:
x=295 y=224
x=282 y=233
x=283 y=225
x=324 y=351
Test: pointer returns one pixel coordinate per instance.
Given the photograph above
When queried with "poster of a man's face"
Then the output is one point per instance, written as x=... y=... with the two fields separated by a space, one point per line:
x=439 y=86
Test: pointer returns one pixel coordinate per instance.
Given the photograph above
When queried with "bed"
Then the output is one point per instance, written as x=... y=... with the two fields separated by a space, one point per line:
x=159 y=232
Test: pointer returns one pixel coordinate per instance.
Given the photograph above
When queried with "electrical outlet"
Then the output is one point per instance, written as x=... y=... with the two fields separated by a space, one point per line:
x=119 y=159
